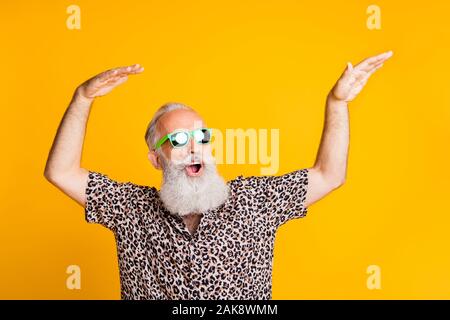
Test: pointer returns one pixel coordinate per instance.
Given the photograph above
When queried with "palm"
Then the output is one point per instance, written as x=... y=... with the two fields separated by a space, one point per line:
x=353 y=80
x=106 y=81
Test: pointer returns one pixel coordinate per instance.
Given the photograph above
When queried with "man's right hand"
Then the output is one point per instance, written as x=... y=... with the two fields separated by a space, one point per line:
x=104 y=82
x=63 y=168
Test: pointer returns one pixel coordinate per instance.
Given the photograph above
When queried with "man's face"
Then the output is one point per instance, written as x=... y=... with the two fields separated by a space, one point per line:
x=191 y=183
x=183 y=119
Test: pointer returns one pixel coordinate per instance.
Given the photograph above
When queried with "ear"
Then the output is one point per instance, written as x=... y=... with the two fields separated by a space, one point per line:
x=154 y=159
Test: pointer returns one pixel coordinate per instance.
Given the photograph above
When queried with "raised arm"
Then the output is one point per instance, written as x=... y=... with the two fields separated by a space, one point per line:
x=63 y=168
x=330 y=168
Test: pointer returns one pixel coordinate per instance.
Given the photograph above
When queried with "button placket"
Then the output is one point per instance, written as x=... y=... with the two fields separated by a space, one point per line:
x=194 y=267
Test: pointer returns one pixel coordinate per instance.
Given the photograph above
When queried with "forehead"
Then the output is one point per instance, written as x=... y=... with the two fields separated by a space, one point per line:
x=179 y=119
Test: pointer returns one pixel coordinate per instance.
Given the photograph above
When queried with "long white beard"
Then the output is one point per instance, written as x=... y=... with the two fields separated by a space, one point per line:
x=183 y=195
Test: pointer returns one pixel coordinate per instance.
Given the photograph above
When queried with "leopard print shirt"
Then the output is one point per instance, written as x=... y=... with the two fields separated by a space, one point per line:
x=230 y=254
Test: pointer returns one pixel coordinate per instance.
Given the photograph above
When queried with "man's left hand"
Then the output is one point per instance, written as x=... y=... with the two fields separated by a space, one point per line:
x=353 y=79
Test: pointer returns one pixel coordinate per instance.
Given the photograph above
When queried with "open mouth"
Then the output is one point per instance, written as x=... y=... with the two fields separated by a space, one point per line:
x=194 y=169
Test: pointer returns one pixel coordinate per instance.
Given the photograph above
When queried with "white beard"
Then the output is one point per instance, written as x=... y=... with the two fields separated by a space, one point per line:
x=183 y=194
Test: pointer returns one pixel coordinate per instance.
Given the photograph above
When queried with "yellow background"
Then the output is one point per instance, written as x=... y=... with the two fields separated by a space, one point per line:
x=242 y=64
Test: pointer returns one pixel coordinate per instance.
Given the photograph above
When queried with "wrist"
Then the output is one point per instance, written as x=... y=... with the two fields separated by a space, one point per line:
x=80 y=97
x=331 y=99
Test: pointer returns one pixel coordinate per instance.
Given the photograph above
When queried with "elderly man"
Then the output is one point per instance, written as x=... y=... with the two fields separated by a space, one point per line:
x=198 y=237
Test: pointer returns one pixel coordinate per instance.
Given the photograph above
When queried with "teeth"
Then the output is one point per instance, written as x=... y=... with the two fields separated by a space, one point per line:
x=192 y=164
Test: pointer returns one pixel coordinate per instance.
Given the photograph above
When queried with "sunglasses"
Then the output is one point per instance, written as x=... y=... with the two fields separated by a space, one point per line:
x=181 y=137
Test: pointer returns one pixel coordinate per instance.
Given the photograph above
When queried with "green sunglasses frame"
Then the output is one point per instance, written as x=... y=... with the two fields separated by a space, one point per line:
x=190 y=135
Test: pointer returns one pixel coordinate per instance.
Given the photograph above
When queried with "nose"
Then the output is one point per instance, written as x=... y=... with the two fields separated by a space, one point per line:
x=194 y=146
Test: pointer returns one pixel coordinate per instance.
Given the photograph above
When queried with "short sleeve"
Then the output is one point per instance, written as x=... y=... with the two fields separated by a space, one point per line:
x=106 y=200
x=281 y=198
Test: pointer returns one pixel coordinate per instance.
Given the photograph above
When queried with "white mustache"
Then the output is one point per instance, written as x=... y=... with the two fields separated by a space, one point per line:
x=183 y=195
x=193 y=158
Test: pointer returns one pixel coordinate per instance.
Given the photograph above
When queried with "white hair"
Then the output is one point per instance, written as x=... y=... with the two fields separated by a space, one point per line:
x=150 y=134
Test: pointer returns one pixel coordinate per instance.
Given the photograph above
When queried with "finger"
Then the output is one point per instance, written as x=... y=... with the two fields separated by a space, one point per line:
x=361 y=74
x=348 y=70
x=136 y=68
x=349 y=67
x=375 y=65
x=346 y=74
x=107 y=75
x=113 y=80
x=367 y=63
x=121 y=80
x=370 y=66
x=114 y=83
x=121 y=71
x=368 y=74
x=375 y=69
x=381 y=57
